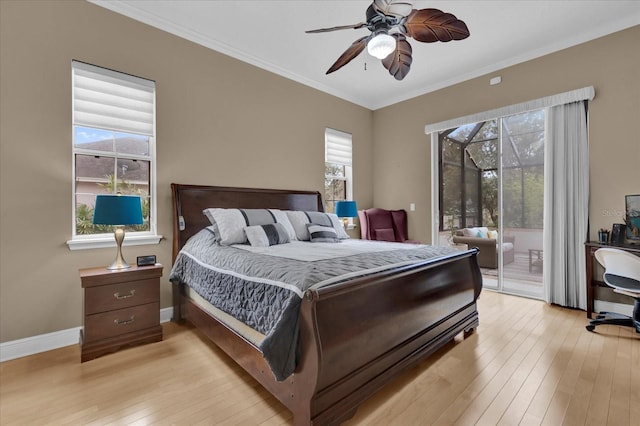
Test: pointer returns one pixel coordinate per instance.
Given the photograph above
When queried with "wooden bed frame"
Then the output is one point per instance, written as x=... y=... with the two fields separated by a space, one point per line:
x=356 y=336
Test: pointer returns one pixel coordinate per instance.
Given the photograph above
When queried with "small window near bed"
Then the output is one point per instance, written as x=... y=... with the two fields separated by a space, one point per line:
x=113 y=150
x=337 y=168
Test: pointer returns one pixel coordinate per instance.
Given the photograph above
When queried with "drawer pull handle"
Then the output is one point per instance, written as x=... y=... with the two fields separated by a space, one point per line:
x=124 y=296
x=125 y=322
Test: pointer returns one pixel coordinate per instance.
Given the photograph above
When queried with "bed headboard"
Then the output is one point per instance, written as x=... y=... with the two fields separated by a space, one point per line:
x=190 y=200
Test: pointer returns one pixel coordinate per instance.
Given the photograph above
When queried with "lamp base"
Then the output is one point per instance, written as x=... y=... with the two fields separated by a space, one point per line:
x=119 y=262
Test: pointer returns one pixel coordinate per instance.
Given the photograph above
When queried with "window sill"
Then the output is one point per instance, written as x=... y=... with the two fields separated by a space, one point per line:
x=104 y=242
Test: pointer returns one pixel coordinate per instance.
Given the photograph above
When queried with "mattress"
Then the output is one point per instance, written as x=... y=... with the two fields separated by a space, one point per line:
x=242 y=329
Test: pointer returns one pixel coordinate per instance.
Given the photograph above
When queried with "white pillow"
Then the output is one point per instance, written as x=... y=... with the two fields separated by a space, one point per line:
x=300 y=219
x=479 y=232
x=469 y=232
x=214 y=230
x=231 y=222
x=492 y=234
x=267 y=235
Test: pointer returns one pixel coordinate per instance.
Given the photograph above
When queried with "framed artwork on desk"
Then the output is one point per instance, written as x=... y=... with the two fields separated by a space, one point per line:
x=633 y=218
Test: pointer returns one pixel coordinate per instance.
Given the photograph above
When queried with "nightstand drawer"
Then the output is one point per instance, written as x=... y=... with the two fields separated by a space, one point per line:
x=123 y=295
x=121 y=321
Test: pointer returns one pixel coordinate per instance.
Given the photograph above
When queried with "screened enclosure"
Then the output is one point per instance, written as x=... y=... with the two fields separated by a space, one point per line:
x=469 y=167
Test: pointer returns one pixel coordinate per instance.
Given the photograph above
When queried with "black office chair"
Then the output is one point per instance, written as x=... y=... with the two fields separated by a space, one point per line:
x=622 y=272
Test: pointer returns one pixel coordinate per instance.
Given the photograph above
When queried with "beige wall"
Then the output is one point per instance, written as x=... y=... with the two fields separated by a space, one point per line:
x=402 y=157
x=219 y=122
x=223 y=122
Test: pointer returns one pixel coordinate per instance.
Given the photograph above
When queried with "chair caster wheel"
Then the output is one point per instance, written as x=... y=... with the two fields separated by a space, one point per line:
x=590 y=327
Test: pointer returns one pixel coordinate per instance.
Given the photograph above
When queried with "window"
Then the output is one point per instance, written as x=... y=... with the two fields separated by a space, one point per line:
x=337 y=168
x=113 y=150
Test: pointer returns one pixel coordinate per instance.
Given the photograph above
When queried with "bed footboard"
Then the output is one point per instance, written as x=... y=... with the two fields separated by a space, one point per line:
x=360 y=335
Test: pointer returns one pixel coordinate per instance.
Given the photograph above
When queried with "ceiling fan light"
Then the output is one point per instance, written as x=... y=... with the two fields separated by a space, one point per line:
x=381 y=46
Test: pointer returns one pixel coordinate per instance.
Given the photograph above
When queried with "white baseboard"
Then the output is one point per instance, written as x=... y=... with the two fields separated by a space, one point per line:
x=620 y=308
x=166 y=314
x=58 y=339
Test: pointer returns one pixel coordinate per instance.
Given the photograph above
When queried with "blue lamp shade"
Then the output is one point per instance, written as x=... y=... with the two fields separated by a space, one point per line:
x=117 y=210
x=346 y=209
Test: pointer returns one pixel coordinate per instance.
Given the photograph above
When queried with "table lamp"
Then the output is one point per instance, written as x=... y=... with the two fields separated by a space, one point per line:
x=345 y=210
x=118 y=210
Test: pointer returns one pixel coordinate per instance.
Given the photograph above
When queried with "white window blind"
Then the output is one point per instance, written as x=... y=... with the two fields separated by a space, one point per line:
x=111 y=100
x=338 y=147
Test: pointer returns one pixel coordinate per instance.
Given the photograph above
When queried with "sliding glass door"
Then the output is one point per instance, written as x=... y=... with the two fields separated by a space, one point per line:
x=490 y=195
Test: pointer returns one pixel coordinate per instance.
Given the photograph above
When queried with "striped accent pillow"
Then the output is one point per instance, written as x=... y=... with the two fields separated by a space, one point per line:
x=300 y=219
x=322 y=234
x=267 y=235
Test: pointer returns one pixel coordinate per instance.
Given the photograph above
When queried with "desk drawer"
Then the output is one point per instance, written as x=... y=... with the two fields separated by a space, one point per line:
x=121 y=295
x=121 y=321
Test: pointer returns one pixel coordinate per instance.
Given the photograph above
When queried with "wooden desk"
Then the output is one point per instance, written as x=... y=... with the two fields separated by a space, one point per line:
x=590 y=249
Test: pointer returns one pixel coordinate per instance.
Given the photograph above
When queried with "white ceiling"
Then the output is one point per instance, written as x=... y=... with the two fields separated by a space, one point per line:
x=270 y=35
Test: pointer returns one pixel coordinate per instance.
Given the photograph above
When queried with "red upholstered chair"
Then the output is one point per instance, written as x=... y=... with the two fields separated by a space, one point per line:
x=384 y=225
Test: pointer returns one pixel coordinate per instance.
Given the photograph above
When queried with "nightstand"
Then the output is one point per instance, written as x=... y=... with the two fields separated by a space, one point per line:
x=121 y=308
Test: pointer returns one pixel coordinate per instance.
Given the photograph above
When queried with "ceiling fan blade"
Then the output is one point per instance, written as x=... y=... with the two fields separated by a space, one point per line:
x=341 y=27
x=354 y=50
x=430 y=25
x=395 y=8
x=399 y=61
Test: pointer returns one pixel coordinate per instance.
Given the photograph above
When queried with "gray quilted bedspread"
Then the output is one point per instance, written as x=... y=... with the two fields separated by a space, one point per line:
x=265 y=291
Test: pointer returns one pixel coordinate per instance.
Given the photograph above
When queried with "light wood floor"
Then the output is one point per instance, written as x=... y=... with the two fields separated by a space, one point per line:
x=528 y=363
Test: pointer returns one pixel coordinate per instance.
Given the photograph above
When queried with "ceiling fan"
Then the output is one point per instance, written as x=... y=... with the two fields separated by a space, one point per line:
x=390 y=23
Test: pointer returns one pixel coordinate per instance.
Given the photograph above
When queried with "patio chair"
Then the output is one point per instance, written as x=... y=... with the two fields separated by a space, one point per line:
x=488 y=255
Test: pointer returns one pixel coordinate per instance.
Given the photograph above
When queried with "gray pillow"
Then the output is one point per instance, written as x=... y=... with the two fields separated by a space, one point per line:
x=267 y=235
x=300 y=219
x=322 y=234
x=231 y=222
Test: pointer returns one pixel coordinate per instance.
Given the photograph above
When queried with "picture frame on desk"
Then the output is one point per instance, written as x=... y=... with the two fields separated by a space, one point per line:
x=618 y=231
x=632 y=218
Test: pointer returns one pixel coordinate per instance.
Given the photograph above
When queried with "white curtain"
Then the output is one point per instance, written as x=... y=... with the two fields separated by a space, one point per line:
x=566 y=204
